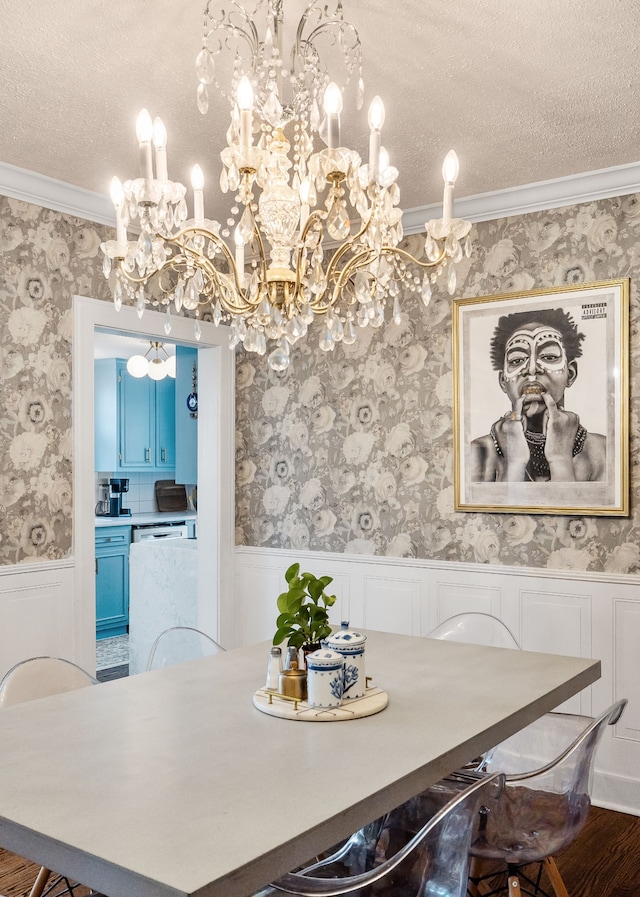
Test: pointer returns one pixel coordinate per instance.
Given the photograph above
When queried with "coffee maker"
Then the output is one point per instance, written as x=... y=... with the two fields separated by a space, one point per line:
x=118 y=486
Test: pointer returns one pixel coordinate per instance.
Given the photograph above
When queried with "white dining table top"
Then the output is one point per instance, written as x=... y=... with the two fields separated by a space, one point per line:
x=172 y=783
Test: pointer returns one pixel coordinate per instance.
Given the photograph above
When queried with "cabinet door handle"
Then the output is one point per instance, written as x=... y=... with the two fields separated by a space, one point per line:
x=147 y=454
x=96 y=566
x=163 y=454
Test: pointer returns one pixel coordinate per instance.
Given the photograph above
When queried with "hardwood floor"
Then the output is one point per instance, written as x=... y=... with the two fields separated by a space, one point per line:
x=604 y=861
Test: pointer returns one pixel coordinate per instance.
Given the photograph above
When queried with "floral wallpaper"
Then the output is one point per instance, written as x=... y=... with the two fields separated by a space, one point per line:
x=352 y=451
x=45 y=258
x=349 y=451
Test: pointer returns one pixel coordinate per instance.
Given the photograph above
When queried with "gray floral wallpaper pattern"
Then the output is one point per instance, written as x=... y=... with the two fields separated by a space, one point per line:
x=352 y=451
x=45 y=258
x=346 y=452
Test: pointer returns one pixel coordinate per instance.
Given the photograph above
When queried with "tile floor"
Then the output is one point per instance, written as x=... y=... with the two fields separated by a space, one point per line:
x=112 y=652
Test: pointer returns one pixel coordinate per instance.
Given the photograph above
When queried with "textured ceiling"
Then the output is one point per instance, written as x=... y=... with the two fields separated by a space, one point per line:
x=524 y=91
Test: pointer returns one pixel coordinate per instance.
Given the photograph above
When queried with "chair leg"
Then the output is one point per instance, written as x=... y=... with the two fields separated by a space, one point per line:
x=40 y=883
x=555 y=878
x=514 y=886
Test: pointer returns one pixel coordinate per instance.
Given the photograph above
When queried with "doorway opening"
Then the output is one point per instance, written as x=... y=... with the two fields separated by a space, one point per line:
x=216 y=427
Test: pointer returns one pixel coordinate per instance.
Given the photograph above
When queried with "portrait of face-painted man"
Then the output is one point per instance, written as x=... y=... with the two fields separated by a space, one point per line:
x=538 y=438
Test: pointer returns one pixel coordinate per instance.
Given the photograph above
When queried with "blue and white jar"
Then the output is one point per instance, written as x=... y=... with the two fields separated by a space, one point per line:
x=325 y=678
x=350 y=644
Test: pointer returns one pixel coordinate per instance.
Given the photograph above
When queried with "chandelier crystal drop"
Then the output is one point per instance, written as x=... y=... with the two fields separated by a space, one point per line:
x=312 y=230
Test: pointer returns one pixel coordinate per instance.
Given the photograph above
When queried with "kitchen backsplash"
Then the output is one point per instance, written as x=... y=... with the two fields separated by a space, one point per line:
x=141 y=496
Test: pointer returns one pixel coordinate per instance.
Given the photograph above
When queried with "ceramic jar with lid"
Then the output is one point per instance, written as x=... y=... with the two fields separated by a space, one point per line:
x=350 y=644
x=325 y=678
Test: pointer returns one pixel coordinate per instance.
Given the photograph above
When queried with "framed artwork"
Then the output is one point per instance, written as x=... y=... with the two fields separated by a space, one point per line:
x=541 y=401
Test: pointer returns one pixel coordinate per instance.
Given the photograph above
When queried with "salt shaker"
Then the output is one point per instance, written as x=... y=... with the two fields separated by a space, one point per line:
x=274 y=668
x=292 y=655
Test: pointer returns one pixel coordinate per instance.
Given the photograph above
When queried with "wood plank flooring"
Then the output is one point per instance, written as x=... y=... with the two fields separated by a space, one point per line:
x=604 y=861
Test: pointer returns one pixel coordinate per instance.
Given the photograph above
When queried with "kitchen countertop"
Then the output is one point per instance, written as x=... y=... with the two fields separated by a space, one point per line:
x=150 y=517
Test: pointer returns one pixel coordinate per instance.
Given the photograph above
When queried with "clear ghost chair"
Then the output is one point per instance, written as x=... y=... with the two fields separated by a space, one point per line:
x=179 y=644
x=40 y=677
x=545 y=801
x=417 y=850
x=476 y=629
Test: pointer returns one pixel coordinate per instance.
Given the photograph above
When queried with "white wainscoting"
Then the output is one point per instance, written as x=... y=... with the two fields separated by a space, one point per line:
x=561 y=613
x=37 y=614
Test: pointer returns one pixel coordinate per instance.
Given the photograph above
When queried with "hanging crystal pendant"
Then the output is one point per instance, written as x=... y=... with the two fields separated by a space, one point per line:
x=197 y=329
x=205 y=66
x=425 y=290
x=106 y=266
x=140 y=303
x=117 y=296
x=397 y=313
x=349 y=335
x=279 y=359
x=451 y=279
x=327 y=342
x=167 y=320
x=245 y=226
x=202 y=98
x=178 y=296
x=217 y=313
x=338 y=224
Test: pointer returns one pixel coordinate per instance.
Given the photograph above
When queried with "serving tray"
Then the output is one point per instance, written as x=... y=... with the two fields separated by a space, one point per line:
x=373 y=701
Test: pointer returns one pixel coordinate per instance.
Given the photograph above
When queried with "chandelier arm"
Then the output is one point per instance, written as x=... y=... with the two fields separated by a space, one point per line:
x=391 y=250
x=318 y=30
x=248 y=33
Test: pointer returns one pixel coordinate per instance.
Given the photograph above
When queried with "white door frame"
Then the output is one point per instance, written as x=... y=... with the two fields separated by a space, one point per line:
x=216 y=477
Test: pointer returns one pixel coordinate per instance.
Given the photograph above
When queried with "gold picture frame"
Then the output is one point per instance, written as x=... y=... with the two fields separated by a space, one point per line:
x=518 y=447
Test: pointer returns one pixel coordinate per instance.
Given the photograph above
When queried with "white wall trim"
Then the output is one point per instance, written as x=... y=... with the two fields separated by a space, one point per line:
x=566 y=191
x=35 y=567
x=619 y=180
x=318 y=557
x=28 y=186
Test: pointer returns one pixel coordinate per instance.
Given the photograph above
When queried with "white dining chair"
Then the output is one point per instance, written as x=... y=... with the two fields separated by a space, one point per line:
x=41 y=677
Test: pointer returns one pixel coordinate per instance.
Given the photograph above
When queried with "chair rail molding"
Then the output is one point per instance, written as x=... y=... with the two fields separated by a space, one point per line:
x=552 y=611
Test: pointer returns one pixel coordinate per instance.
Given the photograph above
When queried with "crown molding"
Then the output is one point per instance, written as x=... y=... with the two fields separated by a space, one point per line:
x=566 y=191
x=620 y=180
x=28 y=186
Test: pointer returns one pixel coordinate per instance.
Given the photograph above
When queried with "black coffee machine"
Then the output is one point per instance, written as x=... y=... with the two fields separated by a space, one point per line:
x=118 y=487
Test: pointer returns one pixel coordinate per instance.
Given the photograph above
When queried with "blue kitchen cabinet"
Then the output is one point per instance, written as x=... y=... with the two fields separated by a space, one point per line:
x=112 y=580
x=134 y=420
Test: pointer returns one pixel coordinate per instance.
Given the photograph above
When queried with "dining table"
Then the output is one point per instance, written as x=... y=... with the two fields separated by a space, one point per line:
x=173 y=784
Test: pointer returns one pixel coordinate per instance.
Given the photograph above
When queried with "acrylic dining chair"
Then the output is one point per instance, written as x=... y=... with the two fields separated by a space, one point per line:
x=179 y=644
x=548 y=770
x=41 y=677
x=477 y=629
x=419 y=848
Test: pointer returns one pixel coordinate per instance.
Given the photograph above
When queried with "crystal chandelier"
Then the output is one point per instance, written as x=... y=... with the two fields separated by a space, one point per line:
x=295 y=189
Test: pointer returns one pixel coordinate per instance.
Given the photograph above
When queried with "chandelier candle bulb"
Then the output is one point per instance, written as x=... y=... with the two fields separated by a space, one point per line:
x=197 y=182
x=144 y=133
x=160 y=144
x=376 y=121
x=245 y=105
x=450 y=170
x=117 y=198
x=305 y=188
x=333 y=108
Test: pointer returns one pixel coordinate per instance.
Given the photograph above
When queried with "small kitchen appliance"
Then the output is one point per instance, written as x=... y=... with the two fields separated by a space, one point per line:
x=118 y=486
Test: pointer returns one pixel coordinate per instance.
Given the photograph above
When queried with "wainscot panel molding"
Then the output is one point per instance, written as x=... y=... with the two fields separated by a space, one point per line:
x=559 y=612
x=36 y=611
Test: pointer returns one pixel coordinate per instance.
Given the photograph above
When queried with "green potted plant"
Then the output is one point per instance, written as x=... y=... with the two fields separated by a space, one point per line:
x=303 y=619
